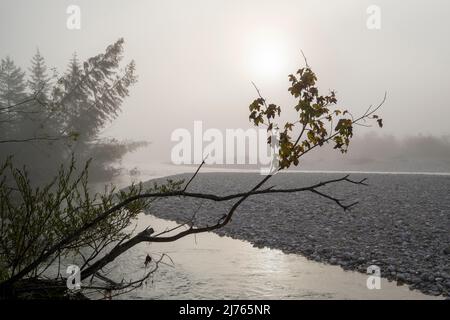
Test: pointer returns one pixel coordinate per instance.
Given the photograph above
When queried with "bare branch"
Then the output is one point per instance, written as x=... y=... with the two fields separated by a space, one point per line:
x=31 y=139
x=304 y=57
x=195 y=174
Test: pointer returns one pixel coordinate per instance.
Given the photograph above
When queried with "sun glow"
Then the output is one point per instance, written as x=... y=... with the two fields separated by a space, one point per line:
x=267 y=61
x=266 y=55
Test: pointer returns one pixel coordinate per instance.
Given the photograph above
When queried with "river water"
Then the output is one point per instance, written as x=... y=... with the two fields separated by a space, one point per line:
x=212 y=267
x=208 y=266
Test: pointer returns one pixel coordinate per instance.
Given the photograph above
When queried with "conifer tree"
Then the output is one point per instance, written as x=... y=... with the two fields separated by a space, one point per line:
x=68 y=115
x=91 y=95
x=39 y=81
x=12 y=93
x=12 y=83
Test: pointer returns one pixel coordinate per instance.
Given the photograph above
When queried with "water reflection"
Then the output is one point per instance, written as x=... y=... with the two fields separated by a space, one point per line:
x=207 y=266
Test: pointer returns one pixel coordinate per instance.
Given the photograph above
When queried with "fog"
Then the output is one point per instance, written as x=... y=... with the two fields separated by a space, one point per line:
x=196 y=61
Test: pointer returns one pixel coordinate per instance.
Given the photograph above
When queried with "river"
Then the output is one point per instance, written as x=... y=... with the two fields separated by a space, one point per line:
x=209 y=266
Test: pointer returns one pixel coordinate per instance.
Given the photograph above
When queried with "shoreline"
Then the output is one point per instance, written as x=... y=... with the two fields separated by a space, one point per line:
x=404 y=248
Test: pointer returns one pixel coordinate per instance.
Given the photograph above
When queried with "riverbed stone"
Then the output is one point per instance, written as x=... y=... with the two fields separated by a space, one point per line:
x=390 y=227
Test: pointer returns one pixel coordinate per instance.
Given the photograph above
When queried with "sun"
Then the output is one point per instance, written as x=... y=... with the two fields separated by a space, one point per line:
x=267 y=61
x=266 y=55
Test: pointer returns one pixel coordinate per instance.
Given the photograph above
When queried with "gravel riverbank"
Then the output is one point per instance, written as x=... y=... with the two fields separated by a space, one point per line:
x=402 y=223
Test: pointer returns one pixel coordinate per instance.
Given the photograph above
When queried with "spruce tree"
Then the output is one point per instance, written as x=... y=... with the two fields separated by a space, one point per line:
x=12 y=83
x=70 y=98
x=87 y=97
x=91 y=95
x=39 y=81
x=12 y=93
x=36 y=116
x=73 y=73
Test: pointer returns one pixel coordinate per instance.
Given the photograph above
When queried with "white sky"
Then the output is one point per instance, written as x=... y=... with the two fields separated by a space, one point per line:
x=196 y=58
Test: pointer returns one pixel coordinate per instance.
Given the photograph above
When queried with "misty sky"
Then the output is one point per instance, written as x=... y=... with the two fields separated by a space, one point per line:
x=196 y=59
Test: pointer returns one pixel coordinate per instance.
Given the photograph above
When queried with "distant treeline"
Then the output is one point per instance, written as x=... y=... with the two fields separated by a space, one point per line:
x=387 y=153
